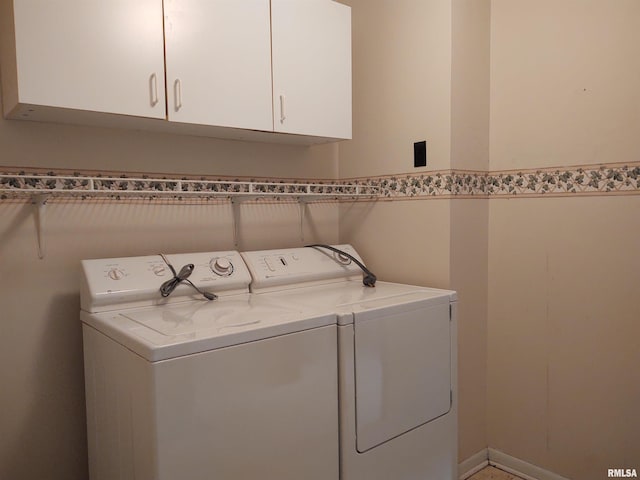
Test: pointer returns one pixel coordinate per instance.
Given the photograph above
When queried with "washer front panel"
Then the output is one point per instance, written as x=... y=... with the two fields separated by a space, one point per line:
x=267 y=410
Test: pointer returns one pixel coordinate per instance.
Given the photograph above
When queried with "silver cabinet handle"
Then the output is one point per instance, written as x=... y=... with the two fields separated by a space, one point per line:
x=153 y=89
x=283 y=117
x=177 y=90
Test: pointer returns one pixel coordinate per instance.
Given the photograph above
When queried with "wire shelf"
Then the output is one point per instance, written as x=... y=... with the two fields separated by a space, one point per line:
x=21 y=185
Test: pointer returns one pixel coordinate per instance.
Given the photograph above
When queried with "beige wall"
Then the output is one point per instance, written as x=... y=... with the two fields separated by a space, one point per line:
x=36 y=144
x=470 y=47
x=563 y=333
x=402 y=82
x=563 y=278
x=537 y=119
x=421 y=72
x=469 y=217
x=564 y=82
x=402 y=241
x=469 y=275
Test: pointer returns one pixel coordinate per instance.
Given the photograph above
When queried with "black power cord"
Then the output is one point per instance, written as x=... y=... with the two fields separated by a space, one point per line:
x=368 y=278
x=170 y=285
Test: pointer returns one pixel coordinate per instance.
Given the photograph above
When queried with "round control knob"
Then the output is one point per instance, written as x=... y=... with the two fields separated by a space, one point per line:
x=115 y=274
x=159 y=270
x=221 y=266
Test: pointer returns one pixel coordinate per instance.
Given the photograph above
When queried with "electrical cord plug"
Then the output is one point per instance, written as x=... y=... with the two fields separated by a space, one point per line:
x=368 y=278
x=185 y=272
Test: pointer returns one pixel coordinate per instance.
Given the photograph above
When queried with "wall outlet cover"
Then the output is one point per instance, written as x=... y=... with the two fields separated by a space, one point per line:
x=420 y=154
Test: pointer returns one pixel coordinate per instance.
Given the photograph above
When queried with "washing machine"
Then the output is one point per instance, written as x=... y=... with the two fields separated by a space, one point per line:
x=397 y=361
x=182 y=387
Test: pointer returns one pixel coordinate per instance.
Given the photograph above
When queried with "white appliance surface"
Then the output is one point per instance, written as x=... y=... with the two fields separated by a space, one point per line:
x=350 y=294
x=121 y=283
x=397 y=361
x=401 y=351
x=162 y=332
x=402 y=369
x=182 y=387
x=276 y=270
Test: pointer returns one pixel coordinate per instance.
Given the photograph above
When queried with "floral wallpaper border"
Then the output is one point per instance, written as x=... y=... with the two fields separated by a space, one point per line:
x=117 y=186
x=590 y=180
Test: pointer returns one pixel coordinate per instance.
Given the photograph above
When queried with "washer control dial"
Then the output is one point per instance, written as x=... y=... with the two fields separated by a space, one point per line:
x=159 y=270
x=221 y=266
x=115 y=274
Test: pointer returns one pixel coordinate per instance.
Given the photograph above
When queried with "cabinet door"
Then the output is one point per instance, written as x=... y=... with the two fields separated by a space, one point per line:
x=99 y=55
x=218 y=62
x=311 y=43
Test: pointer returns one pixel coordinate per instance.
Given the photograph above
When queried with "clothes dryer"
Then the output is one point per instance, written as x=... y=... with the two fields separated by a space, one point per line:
x=397 y=361
x=185 y=388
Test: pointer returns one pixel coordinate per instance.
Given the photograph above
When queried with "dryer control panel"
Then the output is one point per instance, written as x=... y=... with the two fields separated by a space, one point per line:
x=116 y=283
x=278 y=269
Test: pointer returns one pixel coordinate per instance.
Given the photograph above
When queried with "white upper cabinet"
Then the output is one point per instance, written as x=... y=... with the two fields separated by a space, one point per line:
x=233 y=68
x=97 y=55
x=218 y=63
x=311 y=48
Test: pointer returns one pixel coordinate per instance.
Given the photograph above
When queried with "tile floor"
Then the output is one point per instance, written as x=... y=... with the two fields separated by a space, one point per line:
x=492 y=473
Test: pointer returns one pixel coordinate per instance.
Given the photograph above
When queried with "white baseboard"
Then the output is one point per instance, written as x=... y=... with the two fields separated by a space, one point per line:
x=473 y=464
x=520 y=468
x=505 y=462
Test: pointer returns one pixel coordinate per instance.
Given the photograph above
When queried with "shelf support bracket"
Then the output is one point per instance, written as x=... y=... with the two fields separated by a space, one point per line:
x=303 y=205
x=235 y=208
x=303 y=212
x=39 y=203
x=236 y=202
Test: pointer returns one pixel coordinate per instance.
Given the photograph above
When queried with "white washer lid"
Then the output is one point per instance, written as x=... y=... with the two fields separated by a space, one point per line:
x=195 y=318
x=164 y=332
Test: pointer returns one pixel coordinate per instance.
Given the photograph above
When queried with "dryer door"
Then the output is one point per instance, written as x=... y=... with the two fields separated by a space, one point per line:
x=402 y=368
